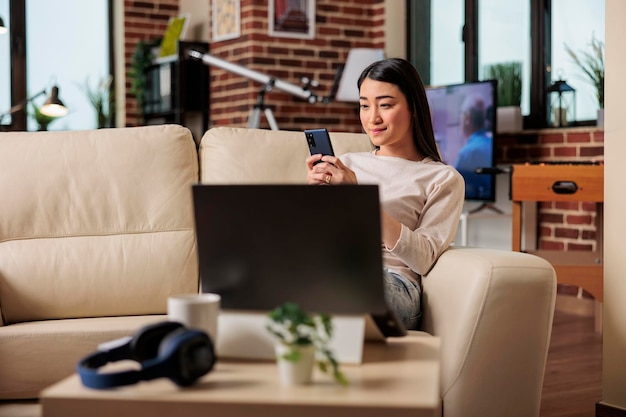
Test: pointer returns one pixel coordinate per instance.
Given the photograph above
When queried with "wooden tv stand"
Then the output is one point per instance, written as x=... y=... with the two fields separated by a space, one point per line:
x=579 y=182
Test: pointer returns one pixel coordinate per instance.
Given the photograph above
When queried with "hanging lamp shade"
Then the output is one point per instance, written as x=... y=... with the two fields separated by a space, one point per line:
x=3 y=28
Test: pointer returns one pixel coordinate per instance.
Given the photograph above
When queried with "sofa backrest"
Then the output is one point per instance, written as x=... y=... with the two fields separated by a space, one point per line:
x=230 y=155
x=96 y=223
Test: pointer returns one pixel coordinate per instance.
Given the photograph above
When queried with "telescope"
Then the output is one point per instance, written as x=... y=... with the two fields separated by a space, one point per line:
x=344 y=84
x=303 y=91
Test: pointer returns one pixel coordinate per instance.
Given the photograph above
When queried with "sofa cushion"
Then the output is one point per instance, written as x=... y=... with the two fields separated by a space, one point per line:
x=230 y=155
x=44 y=352
x=96 y=223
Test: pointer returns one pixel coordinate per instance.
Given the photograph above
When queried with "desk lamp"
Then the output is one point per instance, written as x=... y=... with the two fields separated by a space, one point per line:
x=53 y=107
x=358 y=59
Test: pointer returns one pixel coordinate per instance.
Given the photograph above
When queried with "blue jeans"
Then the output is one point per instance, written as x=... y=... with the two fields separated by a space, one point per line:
x=403 y=296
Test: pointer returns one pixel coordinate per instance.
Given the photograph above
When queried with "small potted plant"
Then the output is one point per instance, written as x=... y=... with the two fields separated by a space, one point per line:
x=591 y=63
x=302 y=340
x=509 y=94
x=101 y=98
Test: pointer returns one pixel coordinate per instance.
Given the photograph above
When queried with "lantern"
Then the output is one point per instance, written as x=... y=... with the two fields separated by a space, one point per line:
x=561 y=104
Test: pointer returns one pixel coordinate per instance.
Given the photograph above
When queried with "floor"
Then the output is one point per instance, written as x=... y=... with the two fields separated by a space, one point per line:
x=573 y=377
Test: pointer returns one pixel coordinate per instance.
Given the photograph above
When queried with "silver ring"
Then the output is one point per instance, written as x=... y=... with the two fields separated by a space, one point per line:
x=327 y=179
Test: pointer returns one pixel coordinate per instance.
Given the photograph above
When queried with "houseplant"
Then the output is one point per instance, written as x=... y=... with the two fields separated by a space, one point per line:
x=141 y=59
x=509 y=94
x=101 y=98
x=591 y=63
x=302 y=340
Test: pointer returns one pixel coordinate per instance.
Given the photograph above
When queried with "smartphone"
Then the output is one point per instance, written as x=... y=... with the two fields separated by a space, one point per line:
x=319 y=142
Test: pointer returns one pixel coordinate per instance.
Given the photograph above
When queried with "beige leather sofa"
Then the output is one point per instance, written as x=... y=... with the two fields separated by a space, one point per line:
x=96 y=230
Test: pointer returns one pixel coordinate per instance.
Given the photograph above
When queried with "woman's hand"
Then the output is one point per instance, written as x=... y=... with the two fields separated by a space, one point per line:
x=325 y=169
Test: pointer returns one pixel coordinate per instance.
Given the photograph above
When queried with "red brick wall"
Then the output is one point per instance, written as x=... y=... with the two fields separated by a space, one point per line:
x=561 y=226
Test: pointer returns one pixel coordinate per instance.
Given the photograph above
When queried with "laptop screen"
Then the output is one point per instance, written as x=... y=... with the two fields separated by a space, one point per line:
x=319 y=246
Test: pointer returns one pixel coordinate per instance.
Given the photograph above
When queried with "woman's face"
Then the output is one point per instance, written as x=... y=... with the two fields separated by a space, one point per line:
x=385 y=115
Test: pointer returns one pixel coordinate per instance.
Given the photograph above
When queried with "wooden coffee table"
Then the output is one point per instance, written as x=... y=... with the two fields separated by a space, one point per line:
x=398 y=378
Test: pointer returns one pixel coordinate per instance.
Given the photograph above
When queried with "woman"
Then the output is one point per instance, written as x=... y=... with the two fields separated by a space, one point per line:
x=421 y=197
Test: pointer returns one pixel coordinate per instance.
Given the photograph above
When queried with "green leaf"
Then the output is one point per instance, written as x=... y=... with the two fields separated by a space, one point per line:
x=292 y=356
x=141 y=59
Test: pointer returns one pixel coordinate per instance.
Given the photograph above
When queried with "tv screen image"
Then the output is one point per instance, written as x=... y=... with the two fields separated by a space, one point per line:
x=464 y=121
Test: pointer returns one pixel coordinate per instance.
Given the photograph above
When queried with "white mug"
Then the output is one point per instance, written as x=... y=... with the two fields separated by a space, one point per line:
x=195 y=311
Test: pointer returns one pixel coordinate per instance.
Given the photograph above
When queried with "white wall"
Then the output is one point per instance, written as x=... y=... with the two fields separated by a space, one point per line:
x=395 y=29
x=614 y=315
x=199 y=25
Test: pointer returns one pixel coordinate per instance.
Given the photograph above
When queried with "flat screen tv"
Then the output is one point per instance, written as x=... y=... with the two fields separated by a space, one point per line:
x=464 y=121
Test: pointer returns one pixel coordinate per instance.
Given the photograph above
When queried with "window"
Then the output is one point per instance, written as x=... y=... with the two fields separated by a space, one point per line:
x=575 y=23
x=451 y=41
x=504 y=36
x=67 y=46
x=447 y=59
x=5 y=64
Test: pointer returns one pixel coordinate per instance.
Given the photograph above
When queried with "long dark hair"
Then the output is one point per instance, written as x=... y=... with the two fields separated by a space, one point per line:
x=401 y=73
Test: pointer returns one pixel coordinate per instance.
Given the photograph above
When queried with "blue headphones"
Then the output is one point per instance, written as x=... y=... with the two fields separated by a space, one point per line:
x=165 y=349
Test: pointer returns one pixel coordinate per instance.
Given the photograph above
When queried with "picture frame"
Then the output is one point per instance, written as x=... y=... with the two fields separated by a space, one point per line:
x=226 y=19
x=291 y=18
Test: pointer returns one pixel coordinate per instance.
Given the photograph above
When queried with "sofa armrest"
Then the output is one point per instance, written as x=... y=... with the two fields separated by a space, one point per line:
x=493 y=310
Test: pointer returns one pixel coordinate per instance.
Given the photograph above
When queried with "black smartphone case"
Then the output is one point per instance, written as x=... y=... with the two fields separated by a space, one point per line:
x=319 y=142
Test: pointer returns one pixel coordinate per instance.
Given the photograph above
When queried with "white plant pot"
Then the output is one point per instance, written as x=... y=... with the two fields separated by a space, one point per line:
x=295 y=373
x=509 y=119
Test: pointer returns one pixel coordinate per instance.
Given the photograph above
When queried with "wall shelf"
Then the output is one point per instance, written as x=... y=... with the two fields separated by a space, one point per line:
x=177 y=91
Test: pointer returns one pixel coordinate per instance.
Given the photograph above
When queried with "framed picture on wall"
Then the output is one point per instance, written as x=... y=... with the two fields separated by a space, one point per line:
x=292 y=18
x=226 y=20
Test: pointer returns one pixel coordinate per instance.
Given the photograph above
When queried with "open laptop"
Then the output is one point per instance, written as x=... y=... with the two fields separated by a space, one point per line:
x=319 y=246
